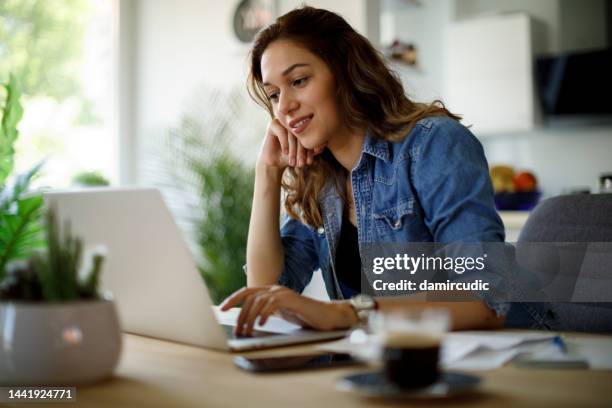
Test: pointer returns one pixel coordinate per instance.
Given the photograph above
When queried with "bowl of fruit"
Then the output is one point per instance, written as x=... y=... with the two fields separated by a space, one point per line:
x=514 y=190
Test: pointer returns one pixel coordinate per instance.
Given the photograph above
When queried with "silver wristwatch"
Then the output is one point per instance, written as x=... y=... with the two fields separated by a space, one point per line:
x=363 y=305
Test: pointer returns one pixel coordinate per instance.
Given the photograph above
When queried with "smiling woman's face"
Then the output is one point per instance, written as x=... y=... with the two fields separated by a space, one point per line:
x=301 y=89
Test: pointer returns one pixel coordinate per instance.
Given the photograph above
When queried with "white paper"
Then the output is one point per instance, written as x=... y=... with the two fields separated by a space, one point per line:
x=498 y=340
x=488 y=350
x=596 y=351
x=482 y=360
x=463 y=350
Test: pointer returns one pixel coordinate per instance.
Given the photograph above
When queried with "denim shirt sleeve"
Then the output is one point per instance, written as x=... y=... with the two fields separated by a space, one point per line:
x=451 y=178
x=301 y=258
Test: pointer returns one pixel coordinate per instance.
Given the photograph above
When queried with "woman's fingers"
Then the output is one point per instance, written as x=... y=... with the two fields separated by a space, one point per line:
x=281 y=134
x=239 y=296
x=294 y=154
x=282 y=299
x=235 y=298
x=258 y=303
x=244 y=311
x=309 y=156
x=268 y=308
x=292 y=141
x=301 y=155
x=254 y=304
x=253 y=300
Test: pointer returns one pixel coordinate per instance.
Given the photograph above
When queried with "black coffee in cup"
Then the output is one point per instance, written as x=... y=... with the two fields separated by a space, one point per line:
x=411 y=360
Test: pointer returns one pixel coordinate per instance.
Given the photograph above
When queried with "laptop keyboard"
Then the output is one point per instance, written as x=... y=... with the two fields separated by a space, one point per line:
x=229 y=330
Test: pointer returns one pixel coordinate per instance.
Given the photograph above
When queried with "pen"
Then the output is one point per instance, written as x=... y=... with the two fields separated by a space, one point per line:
x=558 y=341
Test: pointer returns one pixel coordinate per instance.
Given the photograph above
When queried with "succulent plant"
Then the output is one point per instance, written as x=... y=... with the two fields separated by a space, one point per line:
x=21 y=283
x=52 y=275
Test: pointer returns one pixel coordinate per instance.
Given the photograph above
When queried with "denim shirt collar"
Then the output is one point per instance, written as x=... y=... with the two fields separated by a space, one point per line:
x=375 y=146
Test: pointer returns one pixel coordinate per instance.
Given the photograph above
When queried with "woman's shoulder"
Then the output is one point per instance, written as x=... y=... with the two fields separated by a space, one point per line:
x=439 y=124
x=433 y=133
x=441 y=130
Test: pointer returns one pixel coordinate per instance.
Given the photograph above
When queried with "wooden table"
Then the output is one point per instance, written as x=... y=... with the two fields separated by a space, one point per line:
x=155 y=373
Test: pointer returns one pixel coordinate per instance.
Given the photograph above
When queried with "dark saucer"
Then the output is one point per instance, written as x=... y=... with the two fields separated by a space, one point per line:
x=374 y=384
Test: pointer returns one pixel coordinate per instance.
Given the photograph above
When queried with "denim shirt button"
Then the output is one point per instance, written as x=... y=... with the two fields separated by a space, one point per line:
x=321 y=230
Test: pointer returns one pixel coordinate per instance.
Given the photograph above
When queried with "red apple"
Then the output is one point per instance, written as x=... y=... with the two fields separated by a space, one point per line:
x=525 y=182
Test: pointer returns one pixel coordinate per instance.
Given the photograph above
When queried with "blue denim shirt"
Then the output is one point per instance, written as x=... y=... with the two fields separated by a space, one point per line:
x=433 y=186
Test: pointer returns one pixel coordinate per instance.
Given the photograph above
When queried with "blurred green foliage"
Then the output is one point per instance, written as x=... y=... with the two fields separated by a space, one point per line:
x=227 y=189
x=12 y=112
x=20 y=211
x=202 y=163
x=90 y=179
x=41 y=42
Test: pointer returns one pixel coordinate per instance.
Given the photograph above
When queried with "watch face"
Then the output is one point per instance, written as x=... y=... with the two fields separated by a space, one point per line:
x=364 y=302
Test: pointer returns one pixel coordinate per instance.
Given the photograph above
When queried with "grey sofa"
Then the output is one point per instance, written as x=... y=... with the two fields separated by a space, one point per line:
x=580 y=220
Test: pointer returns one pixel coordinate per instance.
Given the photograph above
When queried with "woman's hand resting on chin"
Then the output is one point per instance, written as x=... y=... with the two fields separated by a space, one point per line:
x=282 y=149
x=261 y=302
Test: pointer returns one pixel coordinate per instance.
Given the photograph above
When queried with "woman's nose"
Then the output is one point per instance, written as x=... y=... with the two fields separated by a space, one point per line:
x=287 y=104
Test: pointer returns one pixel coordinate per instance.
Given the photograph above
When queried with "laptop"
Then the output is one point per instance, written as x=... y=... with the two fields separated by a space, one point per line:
x=152 y=275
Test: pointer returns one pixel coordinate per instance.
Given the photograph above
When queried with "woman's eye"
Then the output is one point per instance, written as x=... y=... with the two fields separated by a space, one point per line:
x=300 y=81
x=273 y=97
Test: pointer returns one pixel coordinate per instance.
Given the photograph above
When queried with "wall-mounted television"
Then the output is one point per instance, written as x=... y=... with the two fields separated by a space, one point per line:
x=576 y=84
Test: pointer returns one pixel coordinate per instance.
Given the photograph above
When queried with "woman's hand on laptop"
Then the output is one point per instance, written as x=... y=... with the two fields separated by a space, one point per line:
x=263 y=301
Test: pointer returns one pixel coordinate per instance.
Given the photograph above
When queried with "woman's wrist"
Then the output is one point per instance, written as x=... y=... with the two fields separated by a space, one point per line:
x=268 y=180
x=344 y=315
x=264 y=169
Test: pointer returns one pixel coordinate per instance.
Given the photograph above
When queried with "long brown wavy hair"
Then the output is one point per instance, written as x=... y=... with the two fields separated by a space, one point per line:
x=369 y=95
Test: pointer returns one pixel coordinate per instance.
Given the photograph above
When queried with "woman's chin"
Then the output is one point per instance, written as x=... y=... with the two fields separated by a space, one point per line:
x=308 y=146
x=312 y=143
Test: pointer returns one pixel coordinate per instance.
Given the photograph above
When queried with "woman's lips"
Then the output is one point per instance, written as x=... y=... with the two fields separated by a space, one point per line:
x=300 y=126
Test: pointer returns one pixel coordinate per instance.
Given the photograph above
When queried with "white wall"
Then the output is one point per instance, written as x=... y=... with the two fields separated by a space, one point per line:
x=424 y=25
x=358 y=13
x=176 y=47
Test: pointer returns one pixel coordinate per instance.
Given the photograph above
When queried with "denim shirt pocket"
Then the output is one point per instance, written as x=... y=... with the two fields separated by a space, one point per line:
x=393 y=221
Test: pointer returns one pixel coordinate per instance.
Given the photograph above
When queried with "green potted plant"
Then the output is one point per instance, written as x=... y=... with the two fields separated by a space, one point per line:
x=20 y=209
x=211 y=186
x=55 y=328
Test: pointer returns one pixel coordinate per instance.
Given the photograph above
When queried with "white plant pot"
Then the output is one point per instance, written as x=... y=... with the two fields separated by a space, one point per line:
x=68 y=344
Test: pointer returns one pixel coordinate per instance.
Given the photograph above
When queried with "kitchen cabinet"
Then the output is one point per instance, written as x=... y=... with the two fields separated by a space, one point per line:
x=490 y=72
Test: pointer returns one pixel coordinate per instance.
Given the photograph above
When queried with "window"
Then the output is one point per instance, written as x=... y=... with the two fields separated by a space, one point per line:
x=62 y=53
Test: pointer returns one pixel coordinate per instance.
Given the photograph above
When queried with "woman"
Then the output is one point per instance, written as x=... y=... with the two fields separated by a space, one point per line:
x=359 y=163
